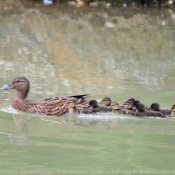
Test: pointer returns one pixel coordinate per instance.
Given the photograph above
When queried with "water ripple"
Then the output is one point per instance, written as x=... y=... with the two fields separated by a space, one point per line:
x=9 y=109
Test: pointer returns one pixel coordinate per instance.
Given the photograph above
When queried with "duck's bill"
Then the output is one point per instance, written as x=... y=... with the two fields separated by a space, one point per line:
x=6 y=87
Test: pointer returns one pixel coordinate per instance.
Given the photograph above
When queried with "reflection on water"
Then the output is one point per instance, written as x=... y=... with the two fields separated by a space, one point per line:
x=101 y=119
x=63 y=50
x=81 y=53
x=20 y=136
x=86 y=144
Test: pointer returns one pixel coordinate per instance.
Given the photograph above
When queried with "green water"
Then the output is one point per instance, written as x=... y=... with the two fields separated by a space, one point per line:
x=65 y=50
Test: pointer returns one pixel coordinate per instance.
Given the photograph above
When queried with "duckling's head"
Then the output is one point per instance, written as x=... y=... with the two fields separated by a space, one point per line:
x=115 y=106
x=131 y=99
x=106 y=101
x=21 y=84
x=173 y=108
x=71 y=104
x=155 y=107
x=136 y=102
x=128 y=105
x=140 y=107
x=93 y=103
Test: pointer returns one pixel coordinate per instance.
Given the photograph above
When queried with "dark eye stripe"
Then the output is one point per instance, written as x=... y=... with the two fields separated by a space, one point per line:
x=18 y=81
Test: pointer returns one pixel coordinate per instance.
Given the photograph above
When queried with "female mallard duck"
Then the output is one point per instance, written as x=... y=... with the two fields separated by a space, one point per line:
x=116 y=108
x=76 y=110
x=142 y=111
x=156 y=107
x=97 y=108
x=48 y=106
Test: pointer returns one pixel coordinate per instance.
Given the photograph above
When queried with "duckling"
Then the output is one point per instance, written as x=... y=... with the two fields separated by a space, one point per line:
x=48 y=106
x=96 y=108
x=141 y=111
x=135 y=103
x=128 y=105
x=173 y=111
x=74 y=109
x=131 y=99
x=116 y=108
x=156 y=107
x=107 y=102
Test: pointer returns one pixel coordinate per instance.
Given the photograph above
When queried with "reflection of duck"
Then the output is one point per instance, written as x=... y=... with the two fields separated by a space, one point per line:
x=20 y=137
x=156 y=107
x=48 y=106
x=96 y=108
x=116 y=108
x=141 y=111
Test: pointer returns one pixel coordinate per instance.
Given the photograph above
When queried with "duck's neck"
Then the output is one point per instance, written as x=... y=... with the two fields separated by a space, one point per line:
x=22 y=95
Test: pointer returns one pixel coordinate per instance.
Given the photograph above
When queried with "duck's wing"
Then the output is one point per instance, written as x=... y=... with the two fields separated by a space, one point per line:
x=50 y=106
x=57 y=105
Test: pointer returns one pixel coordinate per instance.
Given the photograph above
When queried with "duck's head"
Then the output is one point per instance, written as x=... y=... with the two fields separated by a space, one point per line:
x=140 y=107
x=128 y=105
x=155 y=107
x=93 y=103
x=21 y=84
x=115 y=106
x=106 y=101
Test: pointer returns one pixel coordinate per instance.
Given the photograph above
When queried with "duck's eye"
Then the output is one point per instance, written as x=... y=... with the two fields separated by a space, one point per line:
x=17 y=81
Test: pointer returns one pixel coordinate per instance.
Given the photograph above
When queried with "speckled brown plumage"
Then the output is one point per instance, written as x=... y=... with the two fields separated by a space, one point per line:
x=49 y=106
